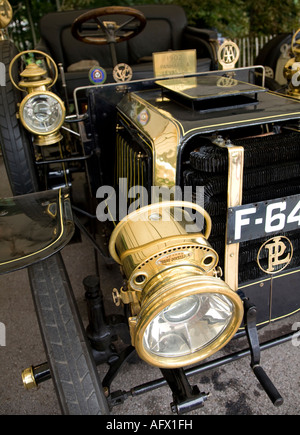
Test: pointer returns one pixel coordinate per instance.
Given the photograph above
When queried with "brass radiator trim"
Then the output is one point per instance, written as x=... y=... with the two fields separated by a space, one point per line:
x=234 y=198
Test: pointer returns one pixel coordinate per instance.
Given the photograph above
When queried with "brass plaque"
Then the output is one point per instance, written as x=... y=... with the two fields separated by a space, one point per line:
x=168 y=63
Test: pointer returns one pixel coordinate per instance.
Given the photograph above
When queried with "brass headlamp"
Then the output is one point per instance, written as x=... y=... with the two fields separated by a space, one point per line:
x=182 y=312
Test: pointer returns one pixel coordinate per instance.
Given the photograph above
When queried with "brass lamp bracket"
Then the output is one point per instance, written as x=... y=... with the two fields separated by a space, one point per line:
x=126 y=296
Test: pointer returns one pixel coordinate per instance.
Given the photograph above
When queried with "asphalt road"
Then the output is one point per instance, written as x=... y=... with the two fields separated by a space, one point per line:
x=233 y=389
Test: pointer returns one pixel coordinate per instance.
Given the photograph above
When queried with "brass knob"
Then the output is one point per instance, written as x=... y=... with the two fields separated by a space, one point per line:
x=28 y=378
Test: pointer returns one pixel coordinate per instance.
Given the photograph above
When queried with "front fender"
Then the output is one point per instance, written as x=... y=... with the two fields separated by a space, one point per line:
x=33 y=227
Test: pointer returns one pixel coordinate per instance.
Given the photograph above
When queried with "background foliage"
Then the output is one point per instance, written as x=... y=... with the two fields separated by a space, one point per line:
x=232 y=18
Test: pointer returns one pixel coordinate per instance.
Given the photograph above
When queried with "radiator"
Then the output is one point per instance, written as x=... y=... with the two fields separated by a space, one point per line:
x=271 y=170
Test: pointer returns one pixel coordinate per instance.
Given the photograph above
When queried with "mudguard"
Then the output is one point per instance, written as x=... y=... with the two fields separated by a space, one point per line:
x=33 y=227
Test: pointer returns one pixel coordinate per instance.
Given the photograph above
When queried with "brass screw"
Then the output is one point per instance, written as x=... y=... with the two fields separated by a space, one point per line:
x=28 y=378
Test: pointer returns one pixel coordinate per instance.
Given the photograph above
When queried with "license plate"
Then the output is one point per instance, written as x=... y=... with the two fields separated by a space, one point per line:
x=253 y=221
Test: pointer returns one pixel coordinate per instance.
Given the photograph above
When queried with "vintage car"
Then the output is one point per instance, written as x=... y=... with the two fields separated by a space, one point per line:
x=188 y=180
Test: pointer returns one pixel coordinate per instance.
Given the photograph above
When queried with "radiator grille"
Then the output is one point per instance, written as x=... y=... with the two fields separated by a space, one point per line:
x=271 y=170
x=132 y=164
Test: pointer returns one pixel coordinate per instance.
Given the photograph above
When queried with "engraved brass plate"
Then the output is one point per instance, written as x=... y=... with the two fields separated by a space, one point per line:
x=168 y=63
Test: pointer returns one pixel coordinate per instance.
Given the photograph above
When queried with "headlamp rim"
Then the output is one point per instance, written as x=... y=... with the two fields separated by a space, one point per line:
x=35 y=94
x=172 y=295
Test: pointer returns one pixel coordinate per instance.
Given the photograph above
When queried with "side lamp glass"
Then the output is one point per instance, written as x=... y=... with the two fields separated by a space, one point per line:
x=42 y=113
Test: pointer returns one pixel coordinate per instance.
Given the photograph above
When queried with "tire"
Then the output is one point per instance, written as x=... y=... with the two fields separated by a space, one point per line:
x=72 y=367
x=270 y=53
x=15 y=143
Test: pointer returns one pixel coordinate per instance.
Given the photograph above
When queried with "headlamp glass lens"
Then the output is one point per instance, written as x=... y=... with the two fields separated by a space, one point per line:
x=188 y=325
x=42 y=113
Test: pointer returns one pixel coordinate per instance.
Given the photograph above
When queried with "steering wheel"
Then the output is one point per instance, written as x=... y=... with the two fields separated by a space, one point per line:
x=108 y=32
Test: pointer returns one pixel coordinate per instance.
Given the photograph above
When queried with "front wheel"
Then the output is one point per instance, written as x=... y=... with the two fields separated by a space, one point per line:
x=15 y=142
x=72 y=367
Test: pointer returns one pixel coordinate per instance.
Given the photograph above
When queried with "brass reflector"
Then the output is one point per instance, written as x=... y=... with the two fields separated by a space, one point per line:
x=181 y=311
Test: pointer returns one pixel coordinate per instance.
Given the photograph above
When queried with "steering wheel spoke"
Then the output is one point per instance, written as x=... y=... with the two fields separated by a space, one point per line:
x=123 y=25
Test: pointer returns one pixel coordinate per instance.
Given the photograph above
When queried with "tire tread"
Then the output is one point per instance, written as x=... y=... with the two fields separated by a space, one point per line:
x=73 y=370
x=15 y=144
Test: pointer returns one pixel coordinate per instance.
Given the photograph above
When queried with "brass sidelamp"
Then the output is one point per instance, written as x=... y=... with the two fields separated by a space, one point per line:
x=291 y=69
x=41 y=112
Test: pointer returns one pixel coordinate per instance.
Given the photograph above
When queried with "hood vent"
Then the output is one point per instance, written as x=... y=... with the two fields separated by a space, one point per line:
x=210 y=93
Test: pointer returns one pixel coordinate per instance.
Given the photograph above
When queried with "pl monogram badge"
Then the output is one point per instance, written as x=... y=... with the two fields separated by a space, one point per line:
x=228 y=54
x=275 y=254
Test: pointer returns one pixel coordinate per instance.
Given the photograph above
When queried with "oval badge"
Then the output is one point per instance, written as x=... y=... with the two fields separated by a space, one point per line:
x=173 y=257
x=275 y=254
